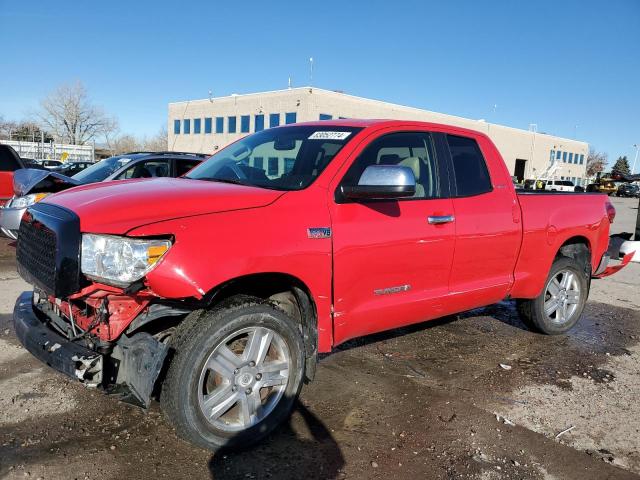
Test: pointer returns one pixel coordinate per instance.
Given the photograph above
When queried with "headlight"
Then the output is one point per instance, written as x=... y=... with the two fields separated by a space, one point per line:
x=26 y=201
x=120 y=260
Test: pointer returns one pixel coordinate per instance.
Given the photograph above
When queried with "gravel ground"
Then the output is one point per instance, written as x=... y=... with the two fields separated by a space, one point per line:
x=428 y=401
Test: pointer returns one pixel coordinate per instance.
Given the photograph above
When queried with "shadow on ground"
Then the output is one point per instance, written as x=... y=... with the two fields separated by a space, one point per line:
x=312 y=453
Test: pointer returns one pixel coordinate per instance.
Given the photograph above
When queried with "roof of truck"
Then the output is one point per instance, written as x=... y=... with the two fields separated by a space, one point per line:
x=366 y=122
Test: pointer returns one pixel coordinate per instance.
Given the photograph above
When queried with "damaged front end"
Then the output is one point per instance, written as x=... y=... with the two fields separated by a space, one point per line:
x=127 y=367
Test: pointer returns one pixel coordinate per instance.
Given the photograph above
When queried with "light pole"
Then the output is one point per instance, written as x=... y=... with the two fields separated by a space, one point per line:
x=633 y=168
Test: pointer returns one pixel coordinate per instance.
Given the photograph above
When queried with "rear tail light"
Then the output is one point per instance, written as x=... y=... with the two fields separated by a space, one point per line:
x=611 y=211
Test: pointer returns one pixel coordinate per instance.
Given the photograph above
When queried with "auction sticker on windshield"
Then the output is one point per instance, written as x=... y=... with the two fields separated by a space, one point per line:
x=324 y=135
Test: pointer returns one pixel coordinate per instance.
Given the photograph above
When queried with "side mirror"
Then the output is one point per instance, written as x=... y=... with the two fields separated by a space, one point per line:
x=382 y=182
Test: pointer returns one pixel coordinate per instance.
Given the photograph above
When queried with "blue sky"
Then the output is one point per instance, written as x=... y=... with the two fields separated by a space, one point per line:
x=554 y=63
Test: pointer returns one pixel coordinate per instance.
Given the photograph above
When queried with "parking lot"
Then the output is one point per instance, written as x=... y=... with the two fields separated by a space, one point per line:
x=472 y=396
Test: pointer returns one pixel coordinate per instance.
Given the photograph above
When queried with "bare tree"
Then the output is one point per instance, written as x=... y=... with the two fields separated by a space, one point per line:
x=123 y=144
x=158 y=142
x=596 y=161
x=69 y=114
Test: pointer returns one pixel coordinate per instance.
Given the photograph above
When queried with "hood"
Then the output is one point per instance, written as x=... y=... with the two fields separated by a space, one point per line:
x=117 y=207
x=31 y=180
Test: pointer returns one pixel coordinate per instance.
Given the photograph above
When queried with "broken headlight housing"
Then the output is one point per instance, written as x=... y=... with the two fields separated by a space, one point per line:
x=120 y=261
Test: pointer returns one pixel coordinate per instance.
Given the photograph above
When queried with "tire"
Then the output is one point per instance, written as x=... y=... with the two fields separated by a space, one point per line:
x=214 y=396
x=559 y=321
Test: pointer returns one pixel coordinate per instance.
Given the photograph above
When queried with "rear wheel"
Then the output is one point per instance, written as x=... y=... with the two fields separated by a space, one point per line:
x=559 y=307
x=235 y=374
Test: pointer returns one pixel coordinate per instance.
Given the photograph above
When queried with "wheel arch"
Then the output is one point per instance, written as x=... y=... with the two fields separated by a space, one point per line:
x=286 y=292
x=579 y=248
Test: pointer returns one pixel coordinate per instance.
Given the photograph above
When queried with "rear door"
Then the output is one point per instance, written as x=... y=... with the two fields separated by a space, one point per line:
x=391 y=265
x=487 y=223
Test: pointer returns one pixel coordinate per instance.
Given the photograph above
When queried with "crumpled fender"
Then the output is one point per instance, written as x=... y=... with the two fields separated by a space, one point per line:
x=31 y=180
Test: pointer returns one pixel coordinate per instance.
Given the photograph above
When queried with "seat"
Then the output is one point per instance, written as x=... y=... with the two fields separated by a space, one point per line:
x=417 y=165
x=389 y=159
x=143 y=173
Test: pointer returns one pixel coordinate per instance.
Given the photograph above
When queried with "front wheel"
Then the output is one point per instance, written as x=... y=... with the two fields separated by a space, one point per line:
x=235 y=374
x=559 y=307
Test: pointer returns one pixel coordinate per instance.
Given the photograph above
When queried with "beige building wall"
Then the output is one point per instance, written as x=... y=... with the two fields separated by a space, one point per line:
x=533 y=150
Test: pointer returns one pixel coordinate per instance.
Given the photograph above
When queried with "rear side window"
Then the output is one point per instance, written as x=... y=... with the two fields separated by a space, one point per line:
x=469 y=167
x=183 y=166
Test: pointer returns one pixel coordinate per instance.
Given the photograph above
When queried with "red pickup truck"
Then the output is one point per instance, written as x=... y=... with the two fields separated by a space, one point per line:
x=217 y=291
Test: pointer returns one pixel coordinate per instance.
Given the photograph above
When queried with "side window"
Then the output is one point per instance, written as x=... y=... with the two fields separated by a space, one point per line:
x=183 y=166
x=410 y=149
x=469 y=167
x=148 y=169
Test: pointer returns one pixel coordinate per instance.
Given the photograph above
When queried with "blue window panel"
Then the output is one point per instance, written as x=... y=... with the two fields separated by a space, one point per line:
x=186 y=125
x=219 y=124
x=273 y=166
x=553 y=155
x=274 y=120
x=258 y=162
x=564 y=157
x=197 y=125
x=231 y=125
x=570 y=157
x=288 y=164
x=325 y=116
x=558 y=153
x=290 y=118
x=244 y=123
x=581 y=159
x=176 y=127
x=207 y=125
x=259 y=123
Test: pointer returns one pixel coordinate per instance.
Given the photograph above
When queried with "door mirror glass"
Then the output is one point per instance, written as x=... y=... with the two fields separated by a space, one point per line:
x=383 y=182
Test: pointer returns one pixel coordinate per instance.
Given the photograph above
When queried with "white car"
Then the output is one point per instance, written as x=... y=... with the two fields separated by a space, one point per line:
x=560 y=186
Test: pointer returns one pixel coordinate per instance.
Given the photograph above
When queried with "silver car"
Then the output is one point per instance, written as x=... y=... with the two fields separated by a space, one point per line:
x=121 y=167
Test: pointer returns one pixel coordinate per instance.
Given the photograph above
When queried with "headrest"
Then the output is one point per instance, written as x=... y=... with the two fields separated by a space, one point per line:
x=389 y=159
x=414 y=163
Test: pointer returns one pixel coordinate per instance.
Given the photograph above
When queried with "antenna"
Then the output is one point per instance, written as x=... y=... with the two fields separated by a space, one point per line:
x=289 y=84
x=311 y=71
x=210 y=96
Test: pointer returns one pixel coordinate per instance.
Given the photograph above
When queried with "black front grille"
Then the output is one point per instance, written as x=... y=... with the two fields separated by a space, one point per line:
x=36 y=252
x=48 y=249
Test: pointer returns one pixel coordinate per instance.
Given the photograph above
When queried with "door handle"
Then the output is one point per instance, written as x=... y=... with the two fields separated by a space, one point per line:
x=440 y=219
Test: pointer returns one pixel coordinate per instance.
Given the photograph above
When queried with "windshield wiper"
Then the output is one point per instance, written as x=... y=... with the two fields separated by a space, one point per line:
x=234 y=181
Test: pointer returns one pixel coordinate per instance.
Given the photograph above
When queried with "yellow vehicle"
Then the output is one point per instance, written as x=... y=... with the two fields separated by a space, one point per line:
x=604 y=185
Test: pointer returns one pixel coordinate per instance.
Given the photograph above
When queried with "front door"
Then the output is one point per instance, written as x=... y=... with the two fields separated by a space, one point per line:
x=392 y=259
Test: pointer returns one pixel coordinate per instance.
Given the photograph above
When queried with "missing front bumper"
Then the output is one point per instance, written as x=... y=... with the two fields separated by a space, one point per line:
x=130 y=371
x=53 y=349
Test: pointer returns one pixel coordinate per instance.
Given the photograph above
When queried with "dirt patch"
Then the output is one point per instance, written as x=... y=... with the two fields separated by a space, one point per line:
x=602 y=420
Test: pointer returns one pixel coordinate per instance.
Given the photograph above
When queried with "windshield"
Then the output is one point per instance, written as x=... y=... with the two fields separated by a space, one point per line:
x=101 y=170
x=285 y=158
